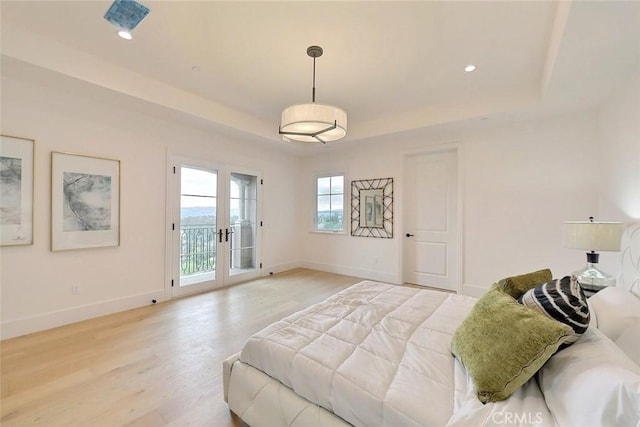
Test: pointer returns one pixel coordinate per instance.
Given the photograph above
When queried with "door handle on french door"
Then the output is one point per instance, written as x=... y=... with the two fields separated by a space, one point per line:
x=228 y=232
x=220 y=235
x=409 y=235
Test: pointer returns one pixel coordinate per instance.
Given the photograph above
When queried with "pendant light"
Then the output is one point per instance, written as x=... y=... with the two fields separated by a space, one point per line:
x=313 y=122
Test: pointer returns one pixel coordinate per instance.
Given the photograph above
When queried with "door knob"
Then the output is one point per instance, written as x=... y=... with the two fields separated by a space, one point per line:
x=409 y=235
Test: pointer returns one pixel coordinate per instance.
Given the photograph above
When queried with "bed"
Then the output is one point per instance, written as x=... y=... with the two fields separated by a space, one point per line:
x=377 y=354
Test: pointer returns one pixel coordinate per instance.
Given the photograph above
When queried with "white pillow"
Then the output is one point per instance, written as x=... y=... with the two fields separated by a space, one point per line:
x=593 y=316
x=629 y=342
x=592 y=383
x=616 y=309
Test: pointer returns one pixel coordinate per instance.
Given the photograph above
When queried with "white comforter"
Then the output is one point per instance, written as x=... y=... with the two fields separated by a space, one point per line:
x=374 y=354
x=379 y=355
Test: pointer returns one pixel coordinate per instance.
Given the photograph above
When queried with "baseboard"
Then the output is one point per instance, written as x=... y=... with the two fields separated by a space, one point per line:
x=279 y=268
x=53 y=319
x=349 y=271
x=474 y=290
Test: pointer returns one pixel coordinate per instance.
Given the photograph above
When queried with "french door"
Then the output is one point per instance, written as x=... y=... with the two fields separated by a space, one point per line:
x=214 y=228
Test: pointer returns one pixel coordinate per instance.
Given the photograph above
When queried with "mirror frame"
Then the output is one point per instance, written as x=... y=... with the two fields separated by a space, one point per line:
x=386 y=230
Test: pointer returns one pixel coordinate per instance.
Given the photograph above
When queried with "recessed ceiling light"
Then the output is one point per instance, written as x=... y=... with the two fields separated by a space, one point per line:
x=469 y=68
x=125 y=34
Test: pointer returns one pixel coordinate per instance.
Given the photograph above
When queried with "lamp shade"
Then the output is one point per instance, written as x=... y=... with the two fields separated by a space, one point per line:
x=308 y=119
x=593 y=236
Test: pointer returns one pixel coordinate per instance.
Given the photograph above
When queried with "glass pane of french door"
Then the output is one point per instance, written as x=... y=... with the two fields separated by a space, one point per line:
x=198 y=225
x=243 y=216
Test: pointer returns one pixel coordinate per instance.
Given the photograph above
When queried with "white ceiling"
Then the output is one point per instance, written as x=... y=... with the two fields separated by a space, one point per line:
x=393 y=66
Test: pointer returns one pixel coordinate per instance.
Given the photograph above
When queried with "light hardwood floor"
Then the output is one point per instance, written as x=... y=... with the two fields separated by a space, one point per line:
x=153 y=366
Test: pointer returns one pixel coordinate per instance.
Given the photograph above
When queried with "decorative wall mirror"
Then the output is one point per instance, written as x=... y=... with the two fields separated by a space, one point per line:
x=372 y=208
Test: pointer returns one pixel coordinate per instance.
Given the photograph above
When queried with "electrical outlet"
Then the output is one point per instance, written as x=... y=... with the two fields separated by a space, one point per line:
x=75 y=290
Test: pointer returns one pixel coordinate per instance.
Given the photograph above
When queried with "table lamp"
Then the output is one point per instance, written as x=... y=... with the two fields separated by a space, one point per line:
x=593 y=236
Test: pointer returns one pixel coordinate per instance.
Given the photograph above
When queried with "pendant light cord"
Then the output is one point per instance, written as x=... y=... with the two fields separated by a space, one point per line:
x=313 y=90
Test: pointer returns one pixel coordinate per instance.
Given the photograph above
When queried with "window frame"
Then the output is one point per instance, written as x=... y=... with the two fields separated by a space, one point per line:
x=344 y=194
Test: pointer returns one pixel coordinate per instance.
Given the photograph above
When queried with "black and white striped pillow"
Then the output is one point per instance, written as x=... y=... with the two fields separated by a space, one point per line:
x=562 y=300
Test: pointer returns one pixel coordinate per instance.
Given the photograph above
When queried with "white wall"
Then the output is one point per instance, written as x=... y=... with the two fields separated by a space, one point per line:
x=341 y=253
x=519 y=183
x=36 y=283
x=619 y=155
x=619 y=159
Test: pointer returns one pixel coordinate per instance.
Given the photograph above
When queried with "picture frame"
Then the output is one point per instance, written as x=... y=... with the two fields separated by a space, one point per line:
x=372 y=208
x=85 y=201
x=16 y=190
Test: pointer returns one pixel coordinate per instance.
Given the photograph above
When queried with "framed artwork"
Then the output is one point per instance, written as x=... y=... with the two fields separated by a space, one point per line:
x=16 y=191
x=372 y=208
x=85 y=202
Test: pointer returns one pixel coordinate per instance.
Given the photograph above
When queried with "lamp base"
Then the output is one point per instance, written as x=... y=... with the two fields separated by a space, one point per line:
x=592 y=279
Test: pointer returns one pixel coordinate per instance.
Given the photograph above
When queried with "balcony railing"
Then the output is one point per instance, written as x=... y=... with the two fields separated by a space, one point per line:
x=197 y=249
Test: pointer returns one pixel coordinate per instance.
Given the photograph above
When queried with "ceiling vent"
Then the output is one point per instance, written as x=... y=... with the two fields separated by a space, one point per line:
x=126 y=14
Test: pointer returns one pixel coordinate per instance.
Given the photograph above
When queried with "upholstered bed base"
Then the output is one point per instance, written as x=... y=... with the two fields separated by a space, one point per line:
x=259 y=400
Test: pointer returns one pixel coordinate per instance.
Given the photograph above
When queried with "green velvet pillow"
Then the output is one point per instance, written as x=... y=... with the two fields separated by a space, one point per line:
x=518 y=285
x=502 y=344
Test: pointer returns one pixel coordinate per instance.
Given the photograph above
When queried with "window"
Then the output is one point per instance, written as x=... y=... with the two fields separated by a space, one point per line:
x=330 y=203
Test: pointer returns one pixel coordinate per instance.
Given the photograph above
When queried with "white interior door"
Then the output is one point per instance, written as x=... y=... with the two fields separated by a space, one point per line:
x=213 y=226
x=431 y=220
